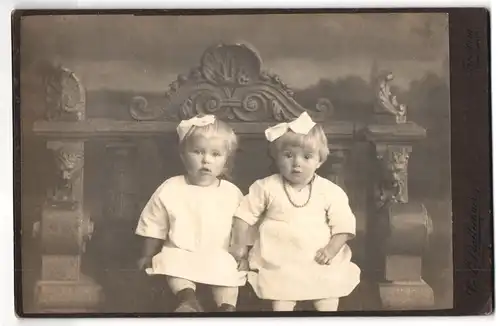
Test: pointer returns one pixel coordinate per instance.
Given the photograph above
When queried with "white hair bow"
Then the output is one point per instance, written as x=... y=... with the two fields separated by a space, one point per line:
x=185 y=125
x=302 y=125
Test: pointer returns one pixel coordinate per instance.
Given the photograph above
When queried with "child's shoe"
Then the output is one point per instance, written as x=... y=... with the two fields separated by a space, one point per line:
x=225 y=307
x=189 y=306
x=188 y=301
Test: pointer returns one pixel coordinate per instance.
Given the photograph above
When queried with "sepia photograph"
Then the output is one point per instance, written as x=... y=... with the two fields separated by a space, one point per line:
x=185 y=164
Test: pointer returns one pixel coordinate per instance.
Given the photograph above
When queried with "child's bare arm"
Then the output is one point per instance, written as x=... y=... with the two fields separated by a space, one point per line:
x=326 y=254
x=150 y=248
x=239 y=243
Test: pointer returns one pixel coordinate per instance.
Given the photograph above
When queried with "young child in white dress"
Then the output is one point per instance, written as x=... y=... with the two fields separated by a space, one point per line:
x=305 y=220
x=187 y=222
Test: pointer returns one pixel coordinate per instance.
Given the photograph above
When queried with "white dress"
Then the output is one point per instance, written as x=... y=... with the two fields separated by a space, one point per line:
x=195 y=223
x=283 y=257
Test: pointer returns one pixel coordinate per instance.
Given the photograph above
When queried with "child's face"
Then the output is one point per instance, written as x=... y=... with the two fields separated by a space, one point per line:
x=297 y=164
x=204 y=159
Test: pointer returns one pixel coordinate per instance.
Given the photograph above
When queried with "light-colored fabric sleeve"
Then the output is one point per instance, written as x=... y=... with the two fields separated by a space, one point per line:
x=340 y=217
x=153 y=222
x=239 y=195
x=253 y=205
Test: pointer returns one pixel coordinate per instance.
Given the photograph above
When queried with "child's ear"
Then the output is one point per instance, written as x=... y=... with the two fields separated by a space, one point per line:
x=320 y=164
x=181 y=154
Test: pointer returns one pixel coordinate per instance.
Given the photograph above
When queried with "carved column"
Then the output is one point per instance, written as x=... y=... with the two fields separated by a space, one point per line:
x=398 y=227
x=65 y=226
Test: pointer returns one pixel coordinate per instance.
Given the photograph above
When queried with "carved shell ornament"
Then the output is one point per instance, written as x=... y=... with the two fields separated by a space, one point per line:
x=228 y=83
x=231 y=65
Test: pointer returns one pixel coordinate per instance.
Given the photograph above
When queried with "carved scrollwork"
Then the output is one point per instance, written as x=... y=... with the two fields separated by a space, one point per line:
x=387 y=103
x=140 y=110
x=324 y=110
x=202 y=102
x=64 y=94
x=254 y=102
x=229 y=84
x=274 y=79
x=69 y=161
x=280 y=113
x=263 y=103
x=392 y=187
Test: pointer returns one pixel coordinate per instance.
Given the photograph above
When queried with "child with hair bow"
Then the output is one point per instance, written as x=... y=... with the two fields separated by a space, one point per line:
x=187 y=221
x=300 y=253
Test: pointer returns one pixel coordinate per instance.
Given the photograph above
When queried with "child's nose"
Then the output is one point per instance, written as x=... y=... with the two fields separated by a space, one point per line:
x=206 y=158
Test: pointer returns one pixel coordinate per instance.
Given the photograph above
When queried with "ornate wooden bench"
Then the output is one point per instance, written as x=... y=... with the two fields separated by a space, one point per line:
x=229 y=82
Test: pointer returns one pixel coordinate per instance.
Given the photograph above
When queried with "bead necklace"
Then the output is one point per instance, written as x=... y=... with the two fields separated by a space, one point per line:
x=290 y=198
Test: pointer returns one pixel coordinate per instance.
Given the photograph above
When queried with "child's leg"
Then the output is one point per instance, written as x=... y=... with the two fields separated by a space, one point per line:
x=225 y=297
x=185 y=291
x=284 y=305
x=328 y=304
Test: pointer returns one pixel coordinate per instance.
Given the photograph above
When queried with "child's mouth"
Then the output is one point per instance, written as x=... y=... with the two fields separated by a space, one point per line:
x=205 y=171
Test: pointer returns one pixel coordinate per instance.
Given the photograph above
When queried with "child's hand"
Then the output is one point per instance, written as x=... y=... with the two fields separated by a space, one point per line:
x=145 y=262
x=243 y=265
x=239 y=252
x=324 y=256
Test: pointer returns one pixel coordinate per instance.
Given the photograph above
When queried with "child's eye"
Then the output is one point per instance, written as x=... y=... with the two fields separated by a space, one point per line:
x=287 y=154
x=197 y=151
x=216 y=154
x=308 y=156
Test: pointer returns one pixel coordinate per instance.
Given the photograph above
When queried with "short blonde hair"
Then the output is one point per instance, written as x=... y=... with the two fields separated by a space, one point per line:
x=315 y=140
x=217 y=129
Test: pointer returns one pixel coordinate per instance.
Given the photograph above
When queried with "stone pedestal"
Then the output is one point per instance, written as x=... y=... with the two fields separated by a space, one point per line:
x=64 y=227
x=64 y=230
x=406 y=295
x=398 y=227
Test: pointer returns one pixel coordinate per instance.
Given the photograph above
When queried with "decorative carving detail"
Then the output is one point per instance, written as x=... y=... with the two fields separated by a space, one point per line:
x=139 y=109
x=387 y=104
x=392 y=187
x=64 y=94
x=229 y=84
x=324 y=106
x=274 y=79
x=230 y=65
x=202 y=101
x=69 y=162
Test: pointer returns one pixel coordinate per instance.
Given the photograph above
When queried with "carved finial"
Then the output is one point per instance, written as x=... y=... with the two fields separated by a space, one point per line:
x=64 y=93
x=387 y=104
